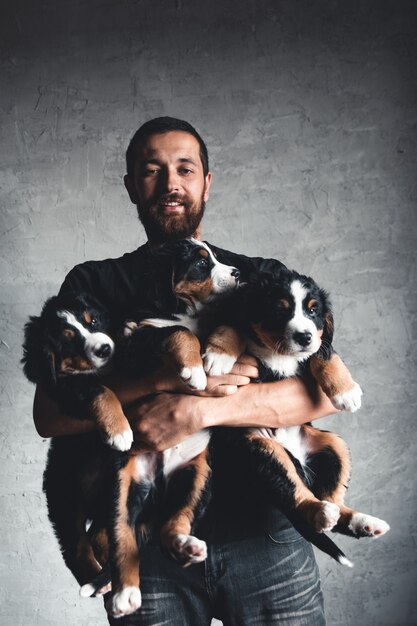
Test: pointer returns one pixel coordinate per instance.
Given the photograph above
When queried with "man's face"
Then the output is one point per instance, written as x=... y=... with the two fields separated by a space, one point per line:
x=169 y=187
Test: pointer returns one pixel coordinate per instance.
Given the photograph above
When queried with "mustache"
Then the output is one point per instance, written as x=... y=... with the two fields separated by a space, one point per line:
x=172 y=197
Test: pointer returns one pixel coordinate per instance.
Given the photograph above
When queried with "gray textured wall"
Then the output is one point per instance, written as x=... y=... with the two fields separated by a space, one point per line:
x=308 y=109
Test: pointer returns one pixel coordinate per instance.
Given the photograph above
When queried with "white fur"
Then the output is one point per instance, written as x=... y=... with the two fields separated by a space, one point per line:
x=216 y=364
x=130 y=328
x=299 y=322
x=195 y=377
x=121 y=441
x=290 y=438
x=221 y=274
x=93 y=341
x=147 y=464
x=350 y=400
x=375 y=527
x=124 y=602
x=189 y=549
x=181 y=454
x=327 y=517
x=285 y=365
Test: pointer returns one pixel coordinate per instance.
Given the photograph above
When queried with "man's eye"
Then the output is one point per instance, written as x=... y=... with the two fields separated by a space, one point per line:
x=151 y=172
x=185 y=171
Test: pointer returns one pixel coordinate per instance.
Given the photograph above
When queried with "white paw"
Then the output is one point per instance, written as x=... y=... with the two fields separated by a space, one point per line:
x=327 y=517
x=88 y=590
x=195 y=377
x=124 y=602
x=216 y=364
x=363 y=525
x=350 y=400
x=188 y=549
x=130 y=328
x=121 y=441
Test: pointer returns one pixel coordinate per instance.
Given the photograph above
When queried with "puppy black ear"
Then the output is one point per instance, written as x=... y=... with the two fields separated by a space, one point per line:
x=38 y=360
x=328 y=322
x=32 y=349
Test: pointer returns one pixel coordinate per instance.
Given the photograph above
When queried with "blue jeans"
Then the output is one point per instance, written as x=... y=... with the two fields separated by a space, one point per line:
x=259 y=574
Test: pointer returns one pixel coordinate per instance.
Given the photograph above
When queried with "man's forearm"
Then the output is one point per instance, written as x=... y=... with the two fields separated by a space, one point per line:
x=278 y=404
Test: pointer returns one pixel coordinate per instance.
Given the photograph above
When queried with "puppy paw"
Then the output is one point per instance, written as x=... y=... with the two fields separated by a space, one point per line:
x=349 y=400
x=326 y=516
x=89 y=590
x=188 y=549
x=194 y=377
x=124 y=602
x=129 y=328
x=216 y=364
x=363 y=525
x=121 y=441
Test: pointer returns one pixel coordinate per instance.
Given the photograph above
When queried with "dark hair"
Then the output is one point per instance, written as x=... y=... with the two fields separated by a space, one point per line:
x=158 y=126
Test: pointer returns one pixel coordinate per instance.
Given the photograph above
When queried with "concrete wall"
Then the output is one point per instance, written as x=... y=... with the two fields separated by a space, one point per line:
x=308 y=109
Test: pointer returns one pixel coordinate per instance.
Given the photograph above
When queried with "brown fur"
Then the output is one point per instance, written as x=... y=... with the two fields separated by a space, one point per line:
x=108 y=414
x=332 y=375
x=183 y=349
x=226 y=340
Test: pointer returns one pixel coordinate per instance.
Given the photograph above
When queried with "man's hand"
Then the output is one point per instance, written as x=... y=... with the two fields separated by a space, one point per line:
x=168 y=418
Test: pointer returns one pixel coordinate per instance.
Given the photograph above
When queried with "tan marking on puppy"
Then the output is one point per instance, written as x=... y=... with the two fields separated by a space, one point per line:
x=67 y=332
x=183 y=350
x=273 y=341
x=108 y=414
x=87 y=565
x=74 y=363
x=126 y=554
x=87 y=317
x=317 y=440
x=181 y=522
x=311 y=303
x=226 y=340
x=306 y=503
x=100 y=544
x=284 y=303
x=203 y=252
x=194 y=291
x=333 y=376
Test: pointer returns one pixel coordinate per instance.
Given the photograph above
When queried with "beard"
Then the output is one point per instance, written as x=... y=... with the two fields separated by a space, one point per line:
x=163 y=228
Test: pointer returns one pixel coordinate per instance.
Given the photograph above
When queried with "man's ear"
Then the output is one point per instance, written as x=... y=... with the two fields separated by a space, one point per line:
x=131 y=190
x=207 y=183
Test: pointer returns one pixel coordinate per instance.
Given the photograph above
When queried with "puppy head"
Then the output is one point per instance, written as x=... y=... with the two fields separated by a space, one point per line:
x=197 y=276
x=289 y=314
x=69 y=337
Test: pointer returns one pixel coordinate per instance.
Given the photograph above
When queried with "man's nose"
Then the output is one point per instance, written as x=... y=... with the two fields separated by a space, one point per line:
x=171 y=181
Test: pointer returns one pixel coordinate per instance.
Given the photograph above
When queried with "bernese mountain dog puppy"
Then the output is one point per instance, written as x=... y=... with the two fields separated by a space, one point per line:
x=65 y=351
x=173 y=332
x=285 y=320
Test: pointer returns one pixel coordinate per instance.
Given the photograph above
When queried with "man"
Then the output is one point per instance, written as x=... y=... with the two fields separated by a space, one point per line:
x=258 y=569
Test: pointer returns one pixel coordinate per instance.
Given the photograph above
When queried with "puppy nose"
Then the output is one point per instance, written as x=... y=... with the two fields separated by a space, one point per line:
x=103 y=351
x=303 y=338
x=236 y=273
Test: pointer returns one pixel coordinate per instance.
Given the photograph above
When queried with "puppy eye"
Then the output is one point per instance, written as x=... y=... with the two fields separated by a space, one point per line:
x=312 y=310
x=202 y=263
x=93 y=322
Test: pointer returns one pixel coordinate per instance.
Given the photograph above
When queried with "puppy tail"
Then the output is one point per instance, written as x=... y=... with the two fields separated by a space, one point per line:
x=323 y=543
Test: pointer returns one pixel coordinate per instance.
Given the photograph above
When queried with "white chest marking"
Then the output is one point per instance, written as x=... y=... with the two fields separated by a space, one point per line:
x=283 y=365
x=290 y=438
x=148 y=463
x=181 y=454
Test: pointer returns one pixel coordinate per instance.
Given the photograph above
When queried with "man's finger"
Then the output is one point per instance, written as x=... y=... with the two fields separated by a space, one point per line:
x=245 y=369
